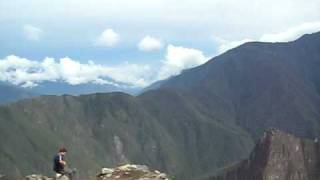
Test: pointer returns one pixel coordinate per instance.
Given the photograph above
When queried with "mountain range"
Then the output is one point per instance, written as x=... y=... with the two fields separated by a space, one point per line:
x=204 y=119
x=11 y=92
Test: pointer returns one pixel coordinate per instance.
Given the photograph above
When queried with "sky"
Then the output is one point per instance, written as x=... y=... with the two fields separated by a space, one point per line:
x=136 y=42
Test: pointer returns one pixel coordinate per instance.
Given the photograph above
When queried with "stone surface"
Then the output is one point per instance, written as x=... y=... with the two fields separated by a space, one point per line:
x=42 y=177
x=37 y=177
x=131 y=172
x=63 y=178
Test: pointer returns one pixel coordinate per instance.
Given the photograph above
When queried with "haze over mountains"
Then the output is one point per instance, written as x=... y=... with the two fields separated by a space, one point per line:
x=197 y=122
x=60 y=88
x=11 y=92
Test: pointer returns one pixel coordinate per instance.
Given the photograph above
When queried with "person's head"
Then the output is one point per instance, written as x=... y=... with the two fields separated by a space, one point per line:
x=62 y=151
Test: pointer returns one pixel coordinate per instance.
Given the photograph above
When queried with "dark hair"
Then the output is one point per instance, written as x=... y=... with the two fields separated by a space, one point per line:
x=63 y=149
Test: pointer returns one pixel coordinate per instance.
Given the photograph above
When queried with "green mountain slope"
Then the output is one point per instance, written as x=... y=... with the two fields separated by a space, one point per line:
x=107 y=129
x=261 y=85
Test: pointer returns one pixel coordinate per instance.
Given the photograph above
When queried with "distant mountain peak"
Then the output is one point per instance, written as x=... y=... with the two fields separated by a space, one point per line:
x=277 y=156
x=272 y=134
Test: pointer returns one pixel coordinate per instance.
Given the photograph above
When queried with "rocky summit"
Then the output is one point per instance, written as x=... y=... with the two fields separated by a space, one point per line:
x=131 y=172
x=124 y=172
x=42 y=177
x=37 y=177
x=277 y=156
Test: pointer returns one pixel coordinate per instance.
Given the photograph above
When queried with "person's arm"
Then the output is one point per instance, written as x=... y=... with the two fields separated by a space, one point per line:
x=61 y=161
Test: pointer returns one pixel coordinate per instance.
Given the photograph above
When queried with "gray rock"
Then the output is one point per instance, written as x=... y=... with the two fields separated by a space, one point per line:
x=107 y=171
x=132 y=172
x=37 y=177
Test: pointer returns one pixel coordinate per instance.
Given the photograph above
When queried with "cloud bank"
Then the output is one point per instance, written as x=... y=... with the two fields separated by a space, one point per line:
x=29 y=73
x=291 y=33
x=287 y=35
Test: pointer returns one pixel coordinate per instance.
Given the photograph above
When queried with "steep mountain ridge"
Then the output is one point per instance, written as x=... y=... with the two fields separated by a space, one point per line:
x=277 y=155
x=261 y=85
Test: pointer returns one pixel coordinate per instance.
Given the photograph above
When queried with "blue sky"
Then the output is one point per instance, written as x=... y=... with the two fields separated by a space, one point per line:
x=162 y=37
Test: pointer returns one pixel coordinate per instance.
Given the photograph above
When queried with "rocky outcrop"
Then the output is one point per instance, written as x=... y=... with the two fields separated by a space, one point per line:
x=37 y=177
x=124 y=172
x=42 y=177
x=131 y=172
x=277 y=156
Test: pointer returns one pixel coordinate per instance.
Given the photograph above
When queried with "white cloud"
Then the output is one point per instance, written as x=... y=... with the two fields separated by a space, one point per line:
x=292 y=33
x=137 y=75
x=29 y=84
x=28 y=73
x=149 y=43
x=287 y=35
x=179 y=58
x=225 y=45
x=32 y=33
x=108 y=38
